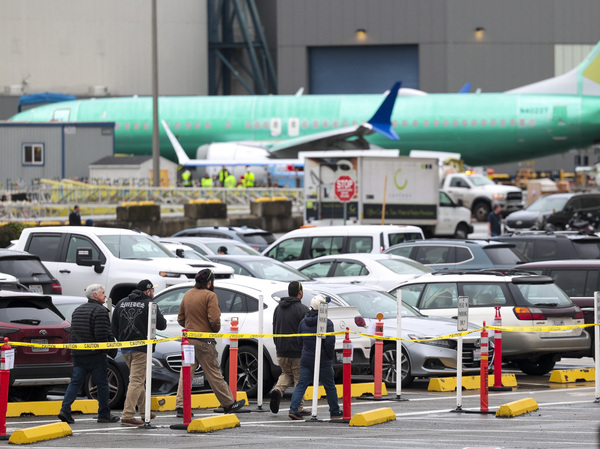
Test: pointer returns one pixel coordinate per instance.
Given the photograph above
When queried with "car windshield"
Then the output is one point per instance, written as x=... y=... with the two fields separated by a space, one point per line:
x=504 y=256
x=270 y=269
x=548 y=203
x=370 y=303
x=481 y=181
x=544 y=295
x=27 y=312
x=258 y=238
x=232 y=248
x=404 y=266
x=134 y=247
x=23 y=268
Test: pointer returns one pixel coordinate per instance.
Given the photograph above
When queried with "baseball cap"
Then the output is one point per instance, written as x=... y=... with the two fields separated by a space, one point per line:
x=145 y=285
x=314 y=303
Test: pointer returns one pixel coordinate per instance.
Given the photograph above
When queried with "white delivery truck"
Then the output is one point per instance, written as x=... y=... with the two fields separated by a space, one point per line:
x=379 y=187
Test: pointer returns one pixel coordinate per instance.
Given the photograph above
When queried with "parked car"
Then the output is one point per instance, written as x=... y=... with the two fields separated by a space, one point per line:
x=210 y=245
x=197 y=260
x=258 y=239
x=261 y=267
x=553 y=211
x=440 y=254
x=382 y=270
x=32 y=318
x=9 y=282
x=30 y=271
x=419 y=359
x=542 y=245
x=524 y=300
x=577 y=278
x=301 y=245
x=165 y=367
x=239 y=297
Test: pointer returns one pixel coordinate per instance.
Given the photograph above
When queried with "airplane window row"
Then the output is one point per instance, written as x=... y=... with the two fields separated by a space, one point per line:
x=304 y=124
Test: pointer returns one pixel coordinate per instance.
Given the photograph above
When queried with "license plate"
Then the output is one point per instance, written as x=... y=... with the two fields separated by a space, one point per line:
x=558 y=322
x=39 y=342
x=477 y=355
x=36 y=288
x=198 y=381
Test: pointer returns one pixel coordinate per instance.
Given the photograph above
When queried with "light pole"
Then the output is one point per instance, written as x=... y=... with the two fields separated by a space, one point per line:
x=155 y=129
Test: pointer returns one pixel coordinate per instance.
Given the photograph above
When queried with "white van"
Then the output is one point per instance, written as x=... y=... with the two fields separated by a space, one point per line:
x=300 y=245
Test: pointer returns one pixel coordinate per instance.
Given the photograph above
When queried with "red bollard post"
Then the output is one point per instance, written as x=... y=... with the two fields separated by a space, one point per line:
x=497 y=350
x=484 y=371
x=4 y=381
x=347 y=371
x=187 y=381
x=378 y=374
x=233 y=358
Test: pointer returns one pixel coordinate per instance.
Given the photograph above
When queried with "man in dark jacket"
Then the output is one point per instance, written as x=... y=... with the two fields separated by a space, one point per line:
x=307 y=362
x=90 y=323
x=286 y=319
x=130 y=322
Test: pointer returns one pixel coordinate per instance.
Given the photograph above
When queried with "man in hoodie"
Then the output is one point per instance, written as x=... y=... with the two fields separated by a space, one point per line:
x=286 y=319
x=307 y=362
x=130 y=322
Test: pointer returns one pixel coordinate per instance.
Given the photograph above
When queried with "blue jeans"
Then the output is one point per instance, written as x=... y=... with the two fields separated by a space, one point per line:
x=97 y=366
x=326 y=377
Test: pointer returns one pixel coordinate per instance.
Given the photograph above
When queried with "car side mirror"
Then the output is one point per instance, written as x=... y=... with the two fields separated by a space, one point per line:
x=84 y=258
x=179 y=252
x=459 y=203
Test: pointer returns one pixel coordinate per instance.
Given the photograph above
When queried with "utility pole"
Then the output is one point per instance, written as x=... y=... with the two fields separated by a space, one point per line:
x=155 y=124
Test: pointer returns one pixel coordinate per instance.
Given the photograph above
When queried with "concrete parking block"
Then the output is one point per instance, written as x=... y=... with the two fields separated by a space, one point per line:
x=212 y=423
x=49 y=408
x=468 y=382
x=40 y=433
x=573 y=375
x=205 y=400
x=357 y=390
x=517 y=408
x=372 y=417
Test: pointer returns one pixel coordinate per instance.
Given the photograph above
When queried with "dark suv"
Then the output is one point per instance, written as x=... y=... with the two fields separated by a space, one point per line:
x=540 y=245
x=258 y=239
x=30 y=271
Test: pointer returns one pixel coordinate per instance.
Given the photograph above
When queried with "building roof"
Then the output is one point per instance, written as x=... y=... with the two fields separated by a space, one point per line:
x=122 y=160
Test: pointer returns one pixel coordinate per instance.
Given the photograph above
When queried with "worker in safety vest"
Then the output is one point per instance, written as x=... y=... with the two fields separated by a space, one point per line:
x=230 y=181
x=186 y=178
x=223 y=173
x=249 y=177
x=207 y=181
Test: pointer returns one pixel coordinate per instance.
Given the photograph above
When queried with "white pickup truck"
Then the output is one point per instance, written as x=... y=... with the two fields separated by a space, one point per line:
x=116 y=258
x=478 y=193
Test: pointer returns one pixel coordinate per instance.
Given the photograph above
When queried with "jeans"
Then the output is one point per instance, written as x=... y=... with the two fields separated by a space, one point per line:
x=97 y=366
x=326 y=377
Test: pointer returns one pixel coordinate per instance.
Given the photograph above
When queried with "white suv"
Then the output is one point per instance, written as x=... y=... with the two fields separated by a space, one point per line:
x=238 y=297
x=525 y=300
x=117 y=258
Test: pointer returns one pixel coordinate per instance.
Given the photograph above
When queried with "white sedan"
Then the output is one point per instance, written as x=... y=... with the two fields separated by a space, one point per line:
x=381 y=270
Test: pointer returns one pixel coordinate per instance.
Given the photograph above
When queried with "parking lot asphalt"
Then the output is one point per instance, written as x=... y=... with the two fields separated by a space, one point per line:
x=567 y=417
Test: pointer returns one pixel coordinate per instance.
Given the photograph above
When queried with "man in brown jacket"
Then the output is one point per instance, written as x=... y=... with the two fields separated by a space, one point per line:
x=199 y=312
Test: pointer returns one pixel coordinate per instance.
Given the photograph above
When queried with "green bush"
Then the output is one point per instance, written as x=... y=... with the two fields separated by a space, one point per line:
x=11 y=231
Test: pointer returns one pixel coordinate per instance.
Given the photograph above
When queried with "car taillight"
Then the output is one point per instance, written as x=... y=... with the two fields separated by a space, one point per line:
x=4 y=331
x=360 y=321
x=56 y=288
x=579 y=315
x=525 y=313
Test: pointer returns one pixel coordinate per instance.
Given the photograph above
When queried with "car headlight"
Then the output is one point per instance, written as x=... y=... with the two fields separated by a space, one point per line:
x=499 y=196
x=167 y=274
x=449 y=344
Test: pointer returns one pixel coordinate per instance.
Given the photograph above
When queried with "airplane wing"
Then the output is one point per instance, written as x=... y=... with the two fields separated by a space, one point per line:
x=351 y=137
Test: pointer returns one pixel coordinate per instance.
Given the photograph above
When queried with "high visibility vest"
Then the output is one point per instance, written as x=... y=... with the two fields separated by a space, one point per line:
x=207 y=182
x=230 y=181
x=223 y=176
x=249 y=179
x=186 y=178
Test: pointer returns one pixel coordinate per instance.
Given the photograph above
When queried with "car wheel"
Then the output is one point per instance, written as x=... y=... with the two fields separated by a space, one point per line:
x=389 y=367
x=538 y=367
x=462 y=231
x=481 y=210
x=248 y=371
x=116 y=387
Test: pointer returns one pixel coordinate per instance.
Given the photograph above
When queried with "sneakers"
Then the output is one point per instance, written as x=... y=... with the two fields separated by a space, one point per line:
x=109 y=418
x=338 y=415
x=152 y=416
x=275 y=400
x=235 y=406
x=304 y=413
x=131 y=422
x=180 y=412
x=66 y=417
x=296 y=416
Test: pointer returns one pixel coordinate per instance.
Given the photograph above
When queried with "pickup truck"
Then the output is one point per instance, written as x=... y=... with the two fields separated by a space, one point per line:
x=116 y=258
x=478 y=193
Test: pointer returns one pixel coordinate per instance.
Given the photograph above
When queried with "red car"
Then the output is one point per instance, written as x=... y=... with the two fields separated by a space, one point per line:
x=32 y=318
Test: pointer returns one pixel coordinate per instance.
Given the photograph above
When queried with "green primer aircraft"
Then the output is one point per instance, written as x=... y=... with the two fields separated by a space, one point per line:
x=540 y=119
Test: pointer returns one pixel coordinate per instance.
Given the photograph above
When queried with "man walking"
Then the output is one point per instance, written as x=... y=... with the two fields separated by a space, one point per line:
x=130 y=322
x=286 y=318
x=495 y=221
x=90 y=323
x=199 y=312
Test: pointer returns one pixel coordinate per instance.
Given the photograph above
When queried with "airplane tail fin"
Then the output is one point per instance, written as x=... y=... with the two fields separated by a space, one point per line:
x=182 y=157
x=381 y=121
x=582 y=80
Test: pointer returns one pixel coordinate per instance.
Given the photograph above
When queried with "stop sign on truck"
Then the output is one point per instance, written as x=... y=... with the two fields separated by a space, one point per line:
x=345 y=188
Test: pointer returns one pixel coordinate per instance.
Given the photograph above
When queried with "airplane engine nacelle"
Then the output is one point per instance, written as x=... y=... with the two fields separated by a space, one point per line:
x=232 y=151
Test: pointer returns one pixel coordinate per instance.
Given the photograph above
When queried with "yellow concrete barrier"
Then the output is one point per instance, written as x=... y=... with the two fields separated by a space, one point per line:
x=372 y=417
x=205 y=400
x=357 y=390
x=573 y=375
x=49 y=408
x=40 y=433
x=468 y=382
x=212 y=423
x=517 y=408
